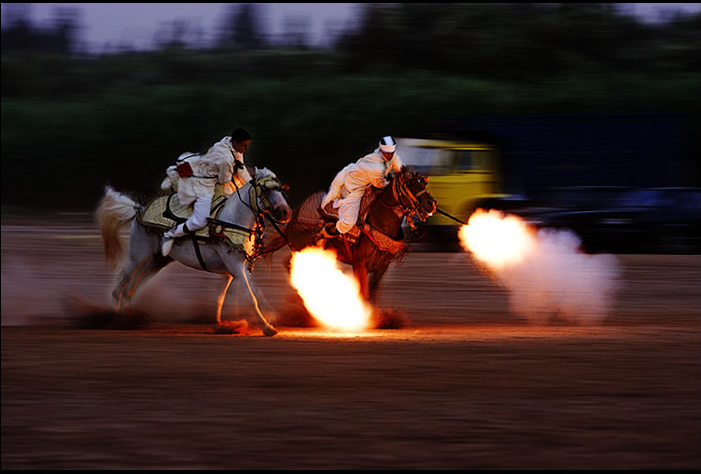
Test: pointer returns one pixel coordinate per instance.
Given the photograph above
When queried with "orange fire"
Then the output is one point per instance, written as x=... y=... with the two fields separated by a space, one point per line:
x=497 y=239
x=331 y=296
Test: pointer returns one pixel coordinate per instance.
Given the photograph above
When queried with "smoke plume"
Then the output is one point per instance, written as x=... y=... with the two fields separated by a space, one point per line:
x=552 y=277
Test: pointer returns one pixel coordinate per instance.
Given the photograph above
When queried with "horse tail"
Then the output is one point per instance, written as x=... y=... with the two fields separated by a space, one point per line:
x=115 y=211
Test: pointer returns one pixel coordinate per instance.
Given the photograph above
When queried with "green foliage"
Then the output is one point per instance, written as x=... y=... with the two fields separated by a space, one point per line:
x=304 y=129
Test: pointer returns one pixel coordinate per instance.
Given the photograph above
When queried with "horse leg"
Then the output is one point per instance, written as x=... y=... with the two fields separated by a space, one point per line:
x=133 y=278
x=238 y=271
x=220 y=300
x=374 y=285
x=361 y=274
x=268 y=329
x=122 y=292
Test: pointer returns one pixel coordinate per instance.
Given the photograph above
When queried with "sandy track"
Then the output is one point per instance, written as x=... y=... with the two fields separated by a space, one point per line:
x=466 y=385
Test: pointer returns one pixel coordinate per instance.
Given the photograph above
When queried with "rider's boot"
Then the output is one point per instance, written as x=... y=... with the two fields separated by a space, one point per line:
x=170 y=236
x=329 y=231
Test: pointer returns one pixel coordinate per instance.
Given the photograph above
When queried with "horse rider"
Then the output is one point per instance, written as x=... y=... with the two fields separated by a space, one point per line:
x=348 y=187
x=197 y=175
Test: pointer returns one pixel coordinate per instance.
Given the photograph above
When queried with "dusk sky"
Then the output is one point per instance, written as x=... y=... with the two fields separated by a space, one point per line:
x=135 y=24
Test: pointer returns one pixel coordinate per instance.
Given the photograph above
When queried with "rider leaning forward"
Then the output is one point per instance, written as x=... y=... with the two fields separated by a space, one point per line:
x=197 y=175
x=348 y=187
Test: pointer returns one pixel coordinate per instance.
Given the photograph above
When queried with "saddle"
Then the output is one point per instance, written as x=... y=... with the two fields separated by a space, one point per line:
x=383 y=242
x=329 y=213
x=164 y=212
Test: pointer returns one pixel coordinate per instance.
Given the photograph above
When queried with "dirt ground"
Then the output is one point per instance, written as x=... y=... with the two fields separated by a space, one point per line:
x=464 y=385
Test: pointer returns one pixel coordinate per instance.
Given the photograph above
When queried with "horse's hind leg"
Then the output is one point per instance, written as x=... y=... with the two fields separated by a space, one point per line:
x=123 y=291
x=133 y=276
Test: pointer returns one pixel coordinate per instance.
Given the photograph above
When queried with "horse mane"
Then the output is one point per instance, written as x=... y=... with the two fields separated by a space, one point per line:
x=263 y=172
x=407 y=170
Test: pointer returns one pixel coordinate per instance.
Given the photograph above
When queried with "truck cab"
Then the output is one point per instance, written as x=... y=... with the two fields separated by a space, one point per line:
x=462 y=175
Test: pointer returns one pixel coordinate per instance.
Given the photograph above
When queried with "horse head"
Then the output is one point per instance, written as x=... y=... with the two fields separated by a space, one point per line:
x=269 y=196
x=410 y=191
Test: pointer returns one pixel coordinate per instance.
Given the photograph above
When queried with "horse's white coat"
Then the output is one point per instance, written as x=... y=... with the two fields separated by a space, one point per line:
x=145 y=259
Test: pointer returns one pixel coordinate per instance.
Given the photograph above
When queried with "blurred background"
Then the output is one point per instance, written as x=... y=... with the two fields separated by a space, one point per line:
x=516 y=106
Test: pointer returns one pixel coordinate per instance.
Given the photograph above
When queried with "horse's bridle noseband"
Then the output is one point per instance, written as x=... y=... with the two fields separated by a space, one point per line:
x=402 y=193
x=260 y=189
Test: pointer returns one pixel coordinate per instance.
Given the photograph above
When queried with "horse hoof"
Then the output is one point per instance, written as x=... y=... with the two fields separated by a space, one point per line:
x=269 y=331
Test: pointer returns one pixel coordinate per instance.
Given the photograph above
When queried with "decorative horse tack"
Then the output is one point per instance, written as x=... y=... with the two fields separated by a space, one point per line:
x=145 y=258
x=165 y=211
x=380 y=241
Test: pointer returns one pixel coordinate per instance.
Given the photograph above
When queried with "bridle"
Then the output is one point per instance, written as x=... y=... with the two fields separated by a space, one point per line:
x=259 y=189
x=408 y=201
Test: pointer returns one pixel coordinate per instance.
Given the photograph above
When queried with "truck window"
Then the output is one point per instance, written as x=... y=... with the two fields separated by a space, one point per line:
x=472 y=160
x=425 y=159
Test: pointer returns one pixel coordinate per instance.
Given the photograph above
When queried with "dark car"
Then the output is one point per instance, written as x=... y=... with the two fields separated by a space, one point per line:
x=623 y=219
x=674 y=214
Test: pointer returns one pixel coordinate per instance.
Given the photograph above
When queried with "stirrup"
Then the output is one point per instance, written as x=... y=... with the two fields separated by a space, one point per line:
x=325 y=234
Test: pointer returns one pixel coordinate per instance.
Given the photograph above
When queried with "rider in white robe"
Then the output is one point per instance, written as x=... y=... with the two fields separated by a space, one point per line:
x=221 y=164
x=348 y=187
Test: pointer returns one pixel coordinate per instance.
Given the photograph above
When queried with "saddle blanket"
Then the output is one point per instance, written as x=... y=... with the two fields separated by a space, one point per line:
x=164 y=212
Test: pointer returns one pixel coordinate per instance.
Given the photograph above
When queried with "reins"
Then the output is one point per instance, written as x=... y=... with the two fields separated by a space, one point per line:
x=401 y=190
x=402 y=193
x=258 y=189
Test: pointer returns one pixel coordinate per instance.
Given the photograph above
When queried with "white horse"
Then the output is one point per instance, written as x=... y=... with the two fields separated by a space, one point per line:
x=244 y=211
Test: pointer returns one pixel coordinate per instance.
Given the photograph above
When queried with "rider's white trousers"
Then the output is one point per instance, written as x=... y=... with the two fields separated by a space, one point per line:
x=348 y=210
x=197 y=220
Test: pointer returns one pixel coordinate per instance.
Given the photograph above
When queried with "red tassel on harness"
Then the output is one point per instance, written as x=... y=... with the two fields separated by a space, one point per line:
x=184 y=169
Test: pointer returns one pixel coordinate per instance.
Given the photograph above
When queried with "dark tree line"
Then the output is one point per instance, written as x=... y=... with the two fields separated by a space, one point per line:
x=241 y=28
x=61 y=37
x=520 y=40
x=89 y=120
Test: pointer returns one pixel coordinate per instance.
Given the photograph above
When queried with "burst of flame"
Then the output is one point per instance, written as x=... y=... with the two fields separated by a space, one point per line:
x=497 y=239
x=330 y=295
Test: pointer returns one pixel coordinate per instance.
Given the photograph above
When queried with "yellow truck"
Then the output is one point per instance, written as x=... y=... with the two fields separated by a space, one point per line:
x=462 y=175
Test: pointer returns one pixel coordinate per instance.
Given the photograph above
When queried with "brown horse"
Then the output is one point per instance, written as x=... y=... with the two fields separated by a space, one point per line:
x=380 y=240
